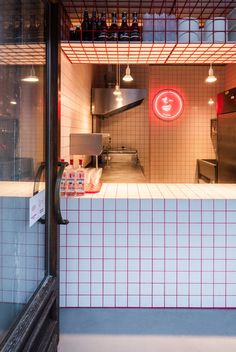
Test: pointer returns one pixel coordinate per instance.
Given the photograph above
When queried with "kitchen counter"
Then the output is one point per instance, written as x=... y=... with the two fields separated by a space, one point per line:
x=150 y=245
x=123 y=172
x=164 y=191
x=18 y=189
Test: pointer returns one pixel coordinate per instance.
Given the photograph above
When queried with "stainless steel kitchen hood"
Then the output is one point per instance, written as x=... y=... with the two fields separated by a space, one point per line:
x=104 y=102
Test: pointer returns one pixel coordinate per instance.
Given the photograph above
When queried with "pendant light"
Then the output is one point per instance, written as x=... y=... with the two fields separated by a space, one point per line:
x=32 y=78
x=211 y=101
x=117 y=90
x=211 y=77
x=127 y=77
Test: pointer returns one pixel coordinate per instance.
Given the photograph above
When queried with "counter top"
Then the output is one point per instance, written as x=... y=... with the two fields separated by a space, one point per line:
x=165 y=191
x=18 y=189
x=136 y=190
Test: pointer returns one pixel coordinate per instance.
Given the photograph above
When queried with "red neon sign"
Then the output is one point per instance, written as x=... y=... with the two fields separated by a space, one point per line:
x=168 y=105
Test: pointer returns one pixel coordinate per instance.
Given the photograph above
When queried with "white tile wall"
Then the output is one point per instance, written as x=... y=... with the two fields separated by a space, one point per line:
x=155 y=251
x=22 y=251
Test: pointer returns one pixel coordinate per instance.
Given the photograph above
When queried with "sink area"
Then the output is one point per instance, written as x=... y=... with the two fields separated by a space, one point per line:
x=122 y=165
x=125 y=172
x=207 y=170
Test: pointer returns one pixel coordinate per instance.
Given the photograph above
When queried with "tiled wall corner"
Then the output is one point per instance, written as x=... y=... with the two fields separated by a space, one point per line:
x=76 y=83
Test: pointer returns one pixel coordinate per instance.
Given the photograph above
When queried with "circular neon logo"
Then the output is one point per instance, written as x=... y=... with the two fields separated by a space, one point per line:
x=168 y=105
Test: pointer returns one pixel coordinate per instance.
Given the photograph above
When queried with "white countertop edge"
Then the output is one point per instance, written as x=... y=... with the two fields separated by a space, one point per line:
x=134 y=191
x=164 y=191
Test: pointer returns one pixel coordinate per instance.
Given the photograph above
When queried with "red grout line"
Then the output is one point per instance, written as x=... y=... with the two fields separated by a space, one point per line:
x=226 y=246
x=164 y=213
x=177 y=247
x=103 y=254
x=201 y=270
x=152 y=244
x=213 y=259
x=90 y=260
x=66 y=256
x=189 y=278
x=78 y=252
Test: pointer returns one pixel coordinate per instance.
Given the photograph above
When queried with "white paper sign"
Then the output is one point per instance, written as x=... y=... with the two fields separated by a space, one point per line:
x=36 y=207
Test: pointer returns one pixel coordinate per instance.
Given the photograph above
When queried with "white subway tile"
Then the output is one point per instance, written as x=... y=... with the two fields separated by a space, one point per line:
x=170 y=301
x=84 y=301
x=121 y=301
x=182 y=301
x=109 y=301
x=133 y=301
x=158 y=301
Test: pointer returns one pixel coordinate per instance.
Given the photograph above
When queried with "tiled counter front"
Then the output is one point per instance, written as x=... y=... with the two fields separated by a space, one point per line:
x=22 y=250
x=150 y=246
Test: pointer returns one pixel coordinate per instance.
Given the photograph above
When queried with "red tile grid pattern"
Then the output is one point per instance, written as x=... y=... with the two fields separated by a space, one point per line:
x=176 y=145
x=22 y=249
x=22 y=54
x=168 y=150
x=230 y=76
x=149 y=53
x=148 y=253
x=130 y=128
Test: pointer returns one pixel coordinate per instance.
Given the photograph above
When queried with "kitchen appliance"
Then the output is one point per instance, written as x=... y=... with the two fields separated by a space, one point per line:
x=121 y=165
x=104 y=103
x=226 y=136
x=207 y=170
x=120 y=155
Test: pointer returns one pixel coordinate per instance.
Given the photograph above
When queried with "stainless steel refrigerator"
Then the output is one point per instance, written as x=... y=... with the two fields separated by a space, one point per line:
x=226 y=139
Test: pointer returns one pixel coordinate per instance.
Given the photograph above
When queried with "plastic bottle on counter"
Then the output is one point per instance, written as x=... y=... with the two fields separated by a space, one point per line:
x=79 y=180
x=63 y=182
x=70 y=179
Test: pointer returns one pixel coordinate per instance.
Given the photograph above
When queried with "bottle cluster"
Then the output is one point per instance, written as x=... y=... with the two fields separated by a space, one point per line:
x=15 y=28
x=78 y=181
x=95 y=28
x=73 y=180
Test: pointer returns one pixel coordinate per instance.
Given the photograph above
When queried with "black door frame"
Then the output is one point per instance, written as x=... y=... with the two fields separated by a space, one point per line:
x=37 y=328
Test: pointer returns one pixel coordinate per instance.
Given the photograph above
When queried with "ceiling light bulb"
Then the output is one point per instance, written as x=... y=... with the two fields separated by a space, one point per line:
x=31 y=78
x=211 y=77
x=210 y=101
x=127 y=77
x=117 y=90
x=13 y=102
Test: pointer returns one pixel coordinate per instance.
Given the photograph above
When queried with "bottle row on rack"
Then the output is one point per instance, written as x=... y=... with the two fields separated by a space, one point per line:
x=95 y=28
x=76 y=182
x=17 y=28
x=153 y=27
